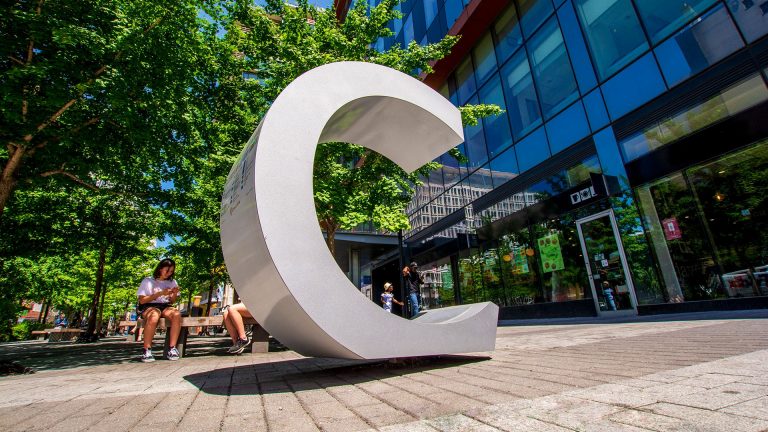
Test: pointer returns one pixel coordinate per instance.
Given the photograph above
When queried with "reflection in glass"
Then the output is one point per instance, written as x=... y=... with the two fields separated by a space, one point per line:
x=574 y=40
x=533 y=13
x=751 y=17
x=475 y=143
x=560 y=262
x=453 y=9
x=438 y=288
x=532 y=150
x=430 y=11
x=567 y=128
x=733 y=100
x=508 y=35
x=504 y=167
x=552 y=69
x=522 y=102
x=706 y=41
x=497 y=133
x=596 y=113
x=608 y=276
x=613 y=32
x=663 y=17
x=465 y=81
x=632 y=87
x=485 y=60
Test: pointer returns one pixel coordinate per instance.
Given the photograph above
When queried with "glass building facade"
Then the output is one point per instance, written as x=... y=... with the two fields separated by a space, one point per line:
x=627 y=173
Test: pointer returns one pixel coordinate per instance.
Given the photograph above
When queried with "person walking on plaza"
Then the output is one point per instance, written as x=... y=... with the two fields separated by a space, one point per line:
x=156 y=297
x=233 y=321
x=387 y=298
x=413 y=280
x=609 y=298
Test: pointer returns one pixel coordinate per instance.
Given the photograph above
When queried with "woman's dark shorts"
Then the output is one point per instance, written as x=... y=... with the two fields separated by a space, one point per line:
x=160 y=306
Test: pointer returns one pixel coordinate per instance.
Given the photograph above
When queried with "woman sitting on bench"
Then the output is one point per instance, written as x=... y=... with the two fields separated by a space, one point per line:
x=156 y=296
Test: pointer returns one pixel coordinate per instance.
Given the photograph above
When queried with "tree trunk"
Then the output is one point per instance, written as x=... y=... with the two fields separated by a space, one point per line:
x=8 y=177
x=90 y=332
x=101 y=307
x=42 y=308
x=45 y=314
x=210 y=294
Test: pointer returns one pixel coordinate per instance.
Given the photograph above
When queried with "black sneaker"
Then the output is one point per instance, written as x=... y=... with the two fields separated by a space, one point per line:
x=147 y=356
x=242 y=344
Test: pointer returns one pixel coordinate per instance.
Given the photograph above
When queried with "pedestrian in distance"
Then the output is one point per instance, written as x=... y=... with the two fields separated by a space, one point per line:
x=60 y=321
x=156 y=297
x=413 y=280
x=233 y=321
x=387 y=298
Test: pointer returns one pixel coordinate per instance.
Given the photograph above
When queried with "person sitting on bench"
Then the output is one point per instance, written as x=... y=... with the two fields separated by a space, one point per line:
x=233 y=321
x=156 y=296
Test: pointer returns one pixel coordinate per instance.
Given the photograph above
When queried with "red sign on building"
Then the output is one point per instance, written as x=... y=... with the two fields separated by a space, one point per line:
x=671 y=229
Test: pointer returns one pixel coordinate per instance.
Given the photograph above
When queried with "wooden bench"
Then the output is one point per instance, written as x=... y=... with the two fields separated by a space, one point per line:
x=259 y=336
x=57 y=335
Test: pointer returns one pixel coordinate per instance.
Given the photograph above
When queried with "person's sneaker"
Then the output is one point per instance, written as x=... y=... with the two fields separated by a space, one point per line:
x=242 y=344
x=147 y=357
x=173 y=354
x=233 y=349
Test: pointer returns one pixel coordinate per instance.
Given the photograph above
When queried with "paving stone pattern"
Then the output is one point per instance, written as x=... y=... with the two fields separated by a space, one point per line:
x=678 y=374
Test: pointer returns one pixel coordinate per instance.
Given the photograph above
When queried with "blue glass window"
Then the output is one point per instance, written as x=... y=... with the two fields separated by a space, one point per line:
x=613 y=32
x=430 y=11
x=480 y=182
x=574 y=41
x=419 y=26
x=698 y=46
x=552 y=69
x=522 y=103
x=663 y=17
x=610 y=158
x=397 y=23
x=504 y=167
x=465 y=81
x=485 y=60
x=408 y=34
x=453 y=9
x=436 y=181
x=532 y=150
x=453 y=171
x=475 y=142
x=634 y=86
x=508 y=35
x=751 y=17
x=533 y=13
x=497 y=133
x=567 y=128
x=596 y=113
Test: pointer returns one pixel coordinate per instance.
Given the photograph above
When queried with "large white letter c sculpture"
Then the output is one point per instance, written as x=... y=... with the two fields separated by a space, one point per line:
x=273 y=247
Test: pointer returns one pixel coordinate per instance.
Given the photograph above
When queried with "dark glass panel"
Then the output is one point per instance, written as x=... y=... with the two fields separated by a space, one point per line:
x=751 y=16
x=613 y=32
x=465 y=81
x=552 y=69
x=522 y=102
x=705 y=42
x=497 y=133
x=634 y=86
x=567 y=128
x=596 y=113
x=533 y=13
x=532 y=150
x=508 y=35
x=582 y=65
x=504 y=167
x=663 y=17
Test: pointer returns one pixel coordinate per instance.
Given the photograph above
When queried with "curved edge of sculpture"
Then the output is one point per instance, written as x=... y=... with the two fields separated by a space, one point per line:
x=274 y=250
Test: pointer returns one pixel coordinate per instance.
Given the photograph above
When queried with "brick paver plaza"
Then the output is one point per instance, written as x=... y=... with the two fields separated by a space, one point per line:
x=663 y=374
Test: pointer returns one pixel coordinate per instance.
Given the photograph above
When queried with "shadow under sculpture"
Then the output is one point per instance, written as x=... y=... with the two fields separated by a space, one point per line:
x=275 y=253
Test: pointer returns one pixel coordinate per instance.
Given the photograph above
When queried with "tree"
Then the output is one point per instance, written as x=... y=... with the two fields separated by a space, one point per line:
x=98 y=86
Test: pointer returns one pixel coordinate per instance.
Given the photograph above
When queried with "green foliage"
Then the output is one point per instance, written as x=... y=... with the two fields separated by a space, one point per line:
x=23 y=330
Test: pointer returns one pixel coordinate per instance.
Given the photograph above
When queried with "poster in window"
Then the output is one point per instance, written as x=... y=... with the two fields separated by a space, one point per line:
x=551 y=255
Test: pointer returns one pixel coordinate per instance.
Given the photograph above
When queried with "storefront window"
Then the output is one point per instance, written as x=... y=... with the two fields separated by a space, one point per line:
x=438 y=289
x=613 y=32
x=708 y=227
x=518 y=268
x=560 y=261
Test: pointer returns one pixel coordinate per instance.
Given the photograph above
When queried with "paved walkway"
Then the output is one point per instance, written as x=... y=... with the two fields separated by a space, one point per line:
x=674 y=373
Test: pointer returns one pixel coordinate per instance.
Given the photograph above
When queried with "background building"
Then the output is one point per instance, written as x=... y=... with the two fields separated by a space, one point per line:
x=628 y=172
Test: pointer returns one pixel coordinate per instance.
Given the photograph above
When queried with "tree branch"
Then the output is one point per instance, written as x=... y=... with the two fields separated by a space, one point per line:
x=15 y=60
x=73 y=177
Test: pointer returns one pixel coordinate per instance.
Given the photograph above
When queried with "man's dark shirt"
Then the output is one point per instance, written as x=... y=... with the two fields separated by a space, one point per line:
x=413 y=281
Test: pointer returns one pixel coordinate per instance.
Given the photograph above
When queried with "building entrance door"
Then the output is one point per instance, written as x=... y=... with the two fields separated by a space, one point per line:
x=606 y=264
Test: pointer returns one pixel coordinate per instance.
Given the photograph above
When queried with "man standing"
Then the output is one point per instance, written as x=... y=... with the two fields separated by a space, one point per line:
x=413 y=280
